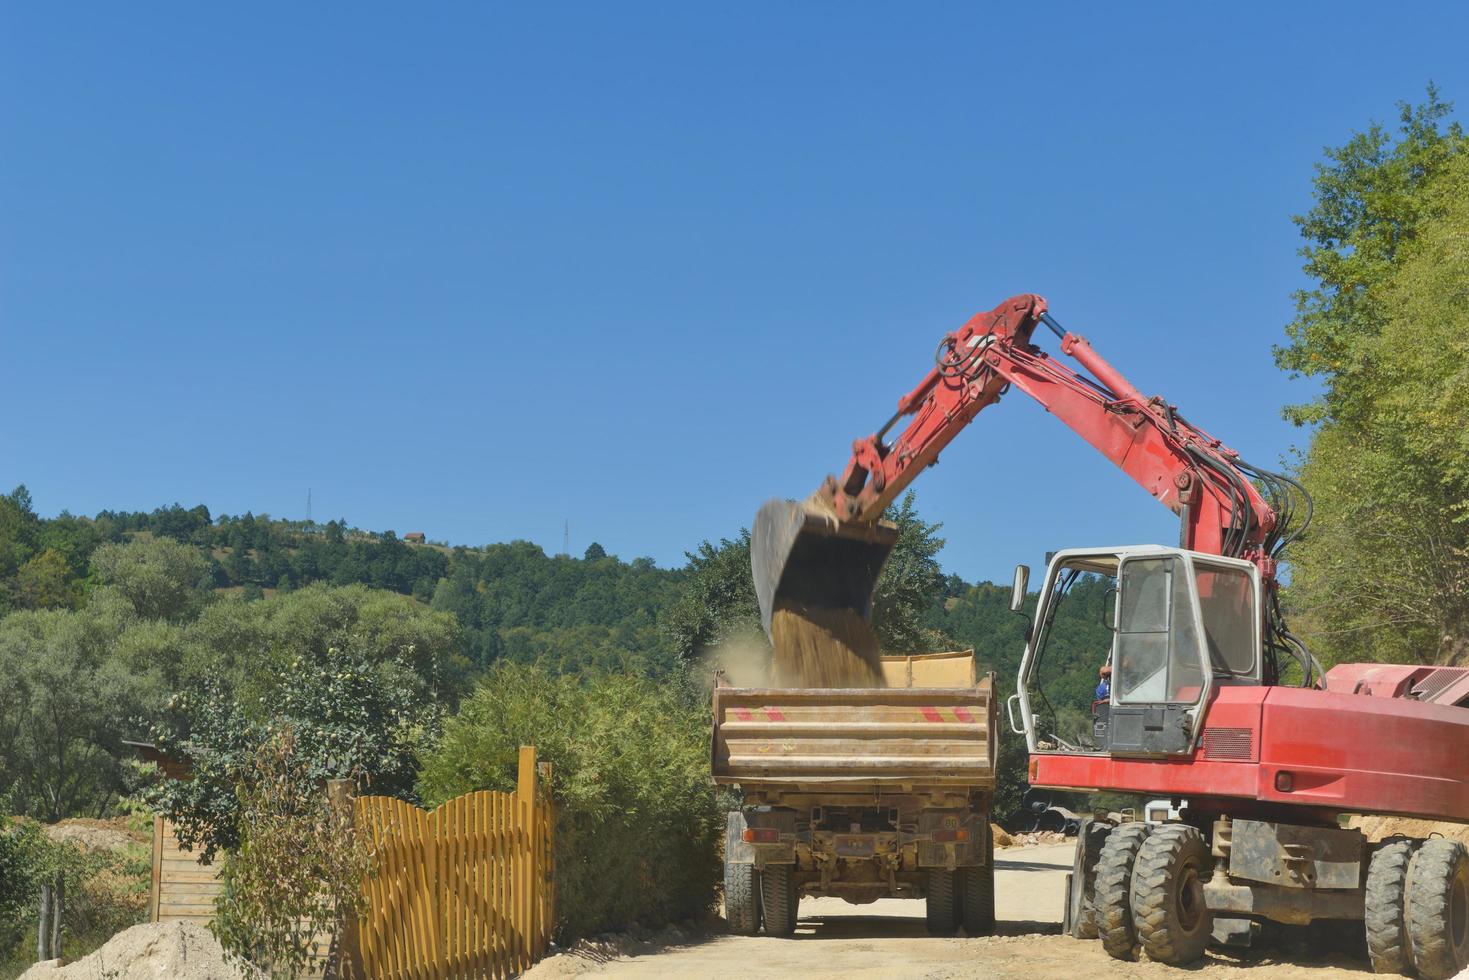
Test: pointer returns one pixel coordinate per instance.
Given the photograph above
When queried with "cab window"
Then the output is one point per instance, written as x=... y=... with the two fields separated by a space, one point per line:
x=1157 y=652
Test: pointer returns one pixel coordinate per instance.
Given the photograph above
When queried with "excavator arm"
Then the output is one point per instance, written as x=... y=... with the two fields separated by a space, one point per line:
x=1225 y=506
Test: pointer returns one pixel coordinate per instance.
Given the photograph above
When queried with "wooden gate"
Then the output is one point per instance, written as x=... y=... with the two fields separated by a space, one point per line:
x=461 y=891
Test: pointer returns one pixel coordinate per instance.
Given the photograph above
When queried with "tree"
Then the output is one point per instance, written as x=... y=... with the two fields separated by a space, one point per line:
x=1384 y=573
x=1369 y=205
x=160 y=577
x=46 y=582
x=910 y=582
x=361 y=677
x=595 y=552
x=65 y=704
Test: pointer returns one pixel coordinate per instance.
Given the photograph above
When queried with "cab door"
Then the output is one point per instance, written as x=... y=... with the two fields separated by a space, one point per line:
x=1160 y=675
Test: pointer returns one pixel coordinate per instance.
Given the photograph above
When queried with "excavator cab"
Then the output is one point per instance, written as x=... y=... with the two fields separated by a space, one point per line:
x=801 y=555
x=1172 y=625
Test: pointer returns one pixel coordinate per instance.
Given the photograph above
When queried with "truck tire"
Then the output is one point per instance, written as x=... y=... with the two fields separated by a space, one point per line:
x=1172 y=920
x=778 y=899
x=1438 y=909
x=942 y=902
x=1386 y=919
x=741 y=901
x=1114 y=889
x=1083 y=911
x=977 y=903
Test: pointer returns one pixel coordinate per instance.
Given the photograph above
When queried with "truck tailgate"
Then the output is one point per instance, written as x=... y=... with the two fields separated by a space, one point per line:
x=905 y=736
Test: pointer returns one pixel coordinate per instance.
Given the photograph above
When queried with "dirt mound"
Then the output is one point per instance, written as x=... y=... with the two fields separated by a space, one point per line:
x=817 y=647
x=1000 y=836
x=94 y=835
x=1378 y=828
x=152 y=951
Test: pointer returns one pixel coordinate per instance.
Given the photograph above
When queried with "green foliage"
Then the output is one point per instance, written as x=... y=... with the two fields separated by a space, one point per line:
x=359 y=678
x=65 y=703
x=160 y=577
x=1384 y=573
x=46 y=582
x=717 y=601
x=1369 y=205
x=910 y=582
x=23 y=866
x=299 y=868
x=637 y=821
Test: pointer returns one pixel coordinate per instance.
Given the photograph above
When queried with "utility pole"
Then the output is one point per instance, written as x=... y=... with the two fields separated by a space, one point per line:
x=566 y=539
x=308 y=505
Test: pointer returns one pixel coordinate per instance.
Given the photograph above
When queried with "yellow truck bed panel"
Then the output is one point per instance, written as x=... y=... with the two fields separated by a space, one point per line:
x=896 y=735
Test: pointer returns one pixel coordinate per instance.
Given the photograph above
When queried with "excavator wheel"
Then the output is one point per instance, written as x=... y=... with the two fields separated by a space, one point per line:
x=1083 y=912
x=1386 y=906
x=1114 y=889
x=1438 y=909
x=942 y=902
x=1169 y=914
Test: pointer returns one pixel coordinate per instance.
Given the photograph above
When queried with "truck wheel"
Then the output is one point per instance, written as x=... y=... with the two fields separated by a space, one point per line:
x=942 y=903
x=1386 y=906
x=1173 y=922
x=1083 y=912
x=741 y=904
x=1438 y=909
x=978 y=900
x=1114 y=889
x=778 y=899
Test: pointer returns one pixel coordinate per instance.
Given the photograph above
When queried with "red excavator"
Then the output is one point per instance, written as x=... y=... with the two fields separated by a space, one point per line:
x=1213 y=704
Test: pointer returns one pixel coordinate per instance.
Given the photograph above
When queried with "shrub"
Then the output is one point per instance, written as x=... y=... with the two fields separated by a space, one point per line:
x=299 y=868
x=637 y=822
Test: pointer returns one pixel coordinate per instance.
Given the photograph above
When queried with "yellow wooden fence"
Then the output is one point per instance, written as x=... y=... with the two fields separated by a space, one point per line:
x=461 y=891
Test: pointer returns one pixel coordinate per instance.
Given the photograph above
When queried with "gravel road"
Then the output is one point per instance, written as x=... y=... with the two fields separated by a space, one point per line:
x=837 y=941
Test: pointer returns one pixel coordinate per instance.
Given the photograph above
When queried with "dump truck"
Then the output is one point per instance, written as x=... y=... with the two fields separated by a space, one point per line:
x=861 y=794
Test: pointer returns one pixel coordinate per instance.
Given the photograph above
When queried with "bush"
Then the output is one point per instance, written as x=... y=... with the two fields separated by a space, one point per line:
x=299 y=869
x=637 y=821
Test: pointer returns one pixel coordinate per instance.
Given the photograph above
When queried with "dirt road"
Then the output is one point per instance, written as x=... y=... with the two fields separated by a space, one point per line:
x=887 y=939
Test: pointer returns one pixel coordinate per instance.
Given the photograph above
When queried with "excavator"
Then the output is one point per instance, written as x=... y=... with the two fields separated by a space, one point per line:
x=1214 y=705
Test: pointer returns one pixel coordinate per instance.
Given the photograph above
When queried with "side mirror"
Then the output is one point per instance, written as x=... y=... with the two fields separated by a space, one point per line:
x=1017 y=591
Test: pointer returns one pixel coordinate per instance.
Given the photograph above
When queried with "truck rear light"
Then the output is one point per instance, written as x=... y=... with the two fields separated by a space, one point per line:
x=760 y=835
x=950 y=836
x=1285 y=782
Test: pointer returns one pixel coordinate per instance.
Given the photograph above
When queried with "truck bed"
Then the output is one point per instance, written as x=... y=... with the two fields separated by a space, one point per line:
x=848 y=737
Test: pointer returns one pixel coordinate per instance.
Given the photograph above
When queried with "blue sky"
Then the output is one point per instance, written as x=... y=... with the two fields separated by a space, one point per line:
x=479 y=269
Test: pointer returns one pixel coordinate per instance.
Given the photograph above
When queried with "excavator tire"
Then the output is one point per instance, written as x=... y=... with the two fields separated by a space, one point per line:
x=1089 y=840
x=1172 y=921
x=1114 y=890
x=741 y=898
x=778 y=899
x=1386 y=912
x=942 y=902
x=1438 y=909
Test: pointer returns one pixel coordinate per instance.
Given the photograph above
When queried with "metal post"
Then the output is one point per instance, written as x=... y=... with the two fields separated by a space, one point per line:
x=58 y=909
x=43 y=930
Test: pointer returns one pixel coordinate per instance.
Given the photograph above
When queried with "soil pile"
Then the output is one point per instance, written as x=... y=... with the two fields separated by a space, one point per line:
x=999 y=836
x=1380 y=828
x=817 y=647
x=152 y=951
x=94 y=835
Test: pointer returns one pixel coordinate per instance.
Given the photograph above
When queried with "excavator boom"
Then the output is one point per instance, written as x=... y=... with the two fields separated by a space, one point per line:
x=834 y=540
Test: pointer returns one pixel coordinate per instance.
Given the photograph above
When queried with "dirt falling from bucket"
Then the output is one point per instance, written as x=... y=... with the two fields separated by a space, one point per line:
x=816 y=647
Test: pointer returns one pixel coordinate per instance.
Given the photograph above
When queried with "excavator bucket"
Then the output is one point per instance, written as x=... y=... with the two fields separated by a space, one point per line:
x=801 y=554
